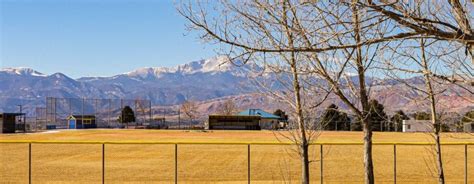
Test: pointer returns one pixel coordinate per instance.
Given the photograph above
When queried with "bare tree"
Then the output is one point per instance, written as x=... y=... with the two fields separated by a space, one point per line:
x=337 y=42
x=189 y=109
x=346 y=70
x=424 y=58
x=434 y=119
x=449 y=20
x=228 y=107
x=283 y=82
x=304 y=102
x=263 y=32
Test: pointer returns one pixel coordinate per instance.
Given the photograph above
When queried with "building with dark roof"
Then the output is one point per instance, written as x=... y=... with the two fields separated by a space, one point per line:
x=233 y=122
x=250 y=119
x=8 y=122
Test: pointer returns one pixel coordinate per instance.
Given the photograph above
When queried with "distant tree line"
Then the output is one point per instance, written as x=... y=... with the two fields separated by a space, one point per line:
x=333 y=119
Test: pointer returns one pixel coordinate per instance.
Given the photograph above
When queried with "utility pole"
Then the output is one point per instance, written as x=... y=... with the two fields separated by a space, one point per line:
x=110 y=112
x=179 y=118
x=24 y=123
x=21 y=108
x=121 y=114
x=151 y=114
x=82 y=121
x=164 y=115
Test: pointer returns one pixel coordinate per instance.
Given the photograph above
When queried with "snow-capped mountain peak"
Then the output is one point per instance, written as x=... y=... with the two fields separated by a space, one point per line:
x=217 y=64
x=148 y=72
x=23 y=71
x=199 y=80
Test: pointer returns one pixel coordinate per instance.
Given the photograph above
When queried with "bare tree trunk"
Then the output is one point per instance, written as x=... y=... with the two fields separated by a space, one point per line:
x=364 y=99
x=298 y=104
x=434 y=120
x=301 y=125
x=439 y=160
x=305 y=163
x=304 y=142
x=437 y=129
x=368 y=163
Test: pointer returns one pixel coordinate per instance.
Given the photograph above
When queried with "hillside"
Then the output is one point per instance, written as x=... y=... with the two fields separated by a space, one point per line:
x=209 y=81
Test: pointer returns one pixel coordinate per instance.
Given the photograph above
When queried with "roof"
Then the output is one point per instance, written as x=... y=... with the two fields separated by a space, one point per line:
x=413 y=121
x=79 y=116
x=258 y=112
x=6 y=114
x=213 y=116
x=11 y=114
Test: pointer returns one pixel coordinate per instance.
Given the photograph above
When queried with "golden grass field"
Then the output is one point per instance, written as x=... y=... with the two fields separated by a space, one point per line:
x=81 y=163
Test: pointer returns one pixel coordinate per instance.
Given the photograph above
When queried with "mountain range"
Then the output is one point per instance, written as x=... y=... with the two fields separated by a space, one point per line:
x=208 y=81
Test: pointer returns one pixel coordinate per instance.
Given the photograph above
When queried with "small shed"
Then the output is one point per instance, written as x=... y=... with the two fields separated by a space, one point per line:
x=8 y=122
x=417 y=126
x=81 y=121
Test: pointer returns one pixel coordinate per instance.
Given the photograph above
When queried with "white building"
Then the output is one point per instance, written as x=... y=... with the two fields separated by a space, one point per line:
x=417 y=126
x=469 y=127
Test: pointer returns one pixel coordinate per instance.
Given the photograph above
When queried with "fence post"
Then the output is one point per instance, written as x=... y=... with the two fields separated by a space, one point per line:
x=175 y=163
x=248 y=163
x=29 y=163
x=465 y=163
x=103 y=163
x=394 y=163
x=321 y=159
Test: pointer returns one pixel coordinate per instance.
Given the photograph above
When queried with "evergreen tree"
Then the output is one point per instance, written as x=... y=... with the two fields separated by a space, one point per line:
x=422 y=116
x=468 y=117
x=445 y=128
x=127 y=115
x=282 y=114
x=356 y=126
x=397 y=120
x=333 y=119
x=376 y=116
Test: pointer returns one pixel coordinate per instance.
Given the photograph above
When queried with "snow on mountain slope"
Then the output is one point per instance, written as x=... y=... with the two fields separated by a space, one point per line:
x=204 y=80
x=199 y=80
x=22 y=71
x=26 y=86
x=219 y=64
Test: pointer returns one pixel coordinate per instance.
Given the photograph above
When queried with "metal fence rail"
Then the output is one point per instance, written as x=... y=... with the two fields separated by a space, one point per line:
x=176 y=144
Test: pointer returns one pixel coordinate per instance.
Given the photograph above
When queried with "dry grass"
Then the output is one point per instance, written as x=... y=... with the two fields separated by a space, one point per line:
x=221 y=163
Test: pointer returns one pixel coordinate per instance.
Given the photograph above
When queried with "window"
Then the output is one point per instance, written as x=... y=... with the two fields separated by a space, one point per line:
x=409 y=126
x=87 y=122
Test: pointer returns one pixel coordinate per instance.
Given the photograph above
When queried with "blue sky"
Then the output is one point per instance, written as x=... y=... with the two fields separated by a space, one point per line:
x=95 y=37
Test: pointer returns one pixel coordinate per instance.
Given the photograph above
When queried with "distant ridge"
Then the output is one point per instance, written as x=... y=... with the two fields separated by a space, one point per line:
x=209 y=81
